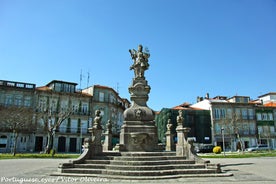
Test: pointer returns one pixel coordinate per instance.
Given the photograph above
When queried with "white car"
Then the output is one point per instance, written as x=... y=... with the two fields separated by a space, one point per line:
x=261 y=147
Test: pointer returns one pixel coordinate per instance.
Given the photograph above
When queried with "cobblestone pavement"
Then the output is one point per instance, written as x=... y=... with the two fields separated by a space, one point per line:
x=249 y=170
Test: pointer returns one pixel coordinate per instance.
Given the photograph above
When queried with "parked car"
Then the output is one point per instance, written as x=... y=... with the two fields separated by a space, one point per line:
x=261 y=147
x=205 y=149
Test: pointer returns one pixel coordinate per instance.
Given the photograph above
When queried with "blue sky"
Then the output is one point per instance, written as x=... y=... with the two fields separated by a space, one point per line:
x=197 y=46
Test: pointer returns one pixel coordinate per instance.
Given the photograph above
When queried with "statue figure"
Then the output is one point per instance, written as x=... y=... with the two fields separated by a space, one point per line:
x=98 y=119
x=140 y=61
x=179 y=118
x=109 y=126
x=169 y=125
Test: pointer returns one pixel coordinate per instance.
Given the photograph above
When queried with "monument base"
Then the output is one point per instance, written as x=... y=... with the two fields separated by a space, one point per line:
x=138 y=136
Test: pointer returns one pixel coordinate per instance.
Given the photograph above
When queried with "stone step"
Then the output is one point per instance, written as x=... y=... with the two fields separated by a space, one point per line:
x=138 y=173
x=147 y=158
x=110 y=153
x=150 y=154
x=97 y=162
x=153 y=162
x=118 y=178
x=104 y=157
x=140 y=168
x=139 y=162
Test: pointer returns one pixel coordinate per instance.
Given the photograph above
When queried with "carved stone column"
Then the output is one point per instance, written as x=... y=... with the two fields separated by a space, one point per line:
x=108 y=137
x=96 y=147
x=170 y=146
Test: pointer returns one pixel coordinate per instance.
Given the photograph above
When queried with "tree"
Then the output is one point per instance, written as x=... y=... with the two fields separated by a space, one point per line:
x=17 y=120
x=235 y=128
x=53 y=115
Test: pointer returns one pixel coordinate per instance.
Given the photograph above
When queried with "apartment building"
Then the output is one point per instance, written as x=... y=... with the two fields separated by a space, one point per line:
x=232 y=119
x=54 y=99
x=46 y=104
x=111 y=105
x=16 y=115
x=241 y=122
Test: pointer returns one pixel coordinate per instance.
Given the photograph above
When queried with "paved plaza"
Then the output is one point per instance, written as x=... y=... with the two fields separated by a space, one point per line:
x=249 y=170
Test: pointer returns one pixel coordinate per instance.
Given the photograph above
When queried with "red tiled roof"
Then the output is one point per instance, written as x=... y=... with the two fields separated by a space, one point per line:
x=43 y=88
x=270 y=104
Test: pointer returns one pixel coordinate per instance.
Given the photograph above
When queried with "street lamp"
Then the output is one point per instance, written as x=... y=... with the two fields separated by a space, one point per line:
x=223 y=143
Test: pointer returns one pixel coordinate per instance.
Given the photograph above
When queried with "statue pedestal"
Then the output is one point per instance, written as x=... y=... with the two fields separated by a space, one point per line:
x=107 y=141
x=170 y=146
x=139 y=132
x=95 y=147
x=138 y=136
x=182 y=146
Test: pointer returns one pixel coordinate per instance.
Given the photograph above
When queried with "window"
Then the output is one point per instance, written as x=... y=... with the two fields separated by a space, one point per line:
x=252 y=128
x=42 y=105
x=229 y=113
x=27 y=101
x=264 y=116
x=245 y=128
x=250 y=114
x=3 y=141
x=272 y=129
x=18 y=100
x=238 y=113
x=58 y=87
x=8 y=100
x=75 y=108
x=101 y=96
x=217 y=113
x=270 y=116
x=244 y=113
x=84 y=108
x=222 y=113
x=259 y=116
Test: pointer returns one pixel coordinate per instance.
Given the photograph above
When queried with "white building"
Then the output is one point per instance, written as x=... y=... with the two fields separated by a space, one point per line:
x=232 y=119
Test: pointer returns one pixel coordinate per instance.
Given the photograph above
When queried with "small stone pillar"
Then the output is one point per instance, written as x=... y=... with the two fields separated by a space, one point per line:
x=108 y=137
x=96 y=133
x=182 y=146
x=170 y=146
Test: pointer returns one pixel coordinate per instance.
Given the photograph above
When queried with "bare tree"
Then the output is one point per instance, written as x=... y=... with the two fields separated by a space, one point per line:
x=17 y=120
x=51 y=126
x=53 y=115
x=232 y=127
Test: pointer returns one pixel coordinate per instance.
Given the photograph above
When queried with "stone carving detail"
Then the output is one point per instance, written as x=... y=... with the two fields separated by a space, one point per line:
x=139 y=113
x=169 y=125
x=97 y=120
x=179 y=118
x=109 y=126
x=140 y=61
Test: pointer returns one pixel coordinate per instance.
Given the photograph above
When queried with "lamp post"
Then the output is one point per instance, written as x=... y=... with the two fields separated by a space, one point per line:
x=223 y=143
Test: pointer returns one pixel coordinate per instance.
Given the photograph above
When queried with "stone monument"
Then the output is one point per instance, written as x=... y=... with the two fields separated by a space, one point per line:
x=108 y=137
x=170 y=146
x=138 y=132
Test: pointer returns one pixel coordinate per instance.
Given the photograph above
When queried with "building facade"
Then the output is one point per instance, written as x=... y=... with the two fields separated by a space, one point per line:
x=54 y=99
x=111 y=105
x=47 y=104
x=16 y=99
x=236 y=122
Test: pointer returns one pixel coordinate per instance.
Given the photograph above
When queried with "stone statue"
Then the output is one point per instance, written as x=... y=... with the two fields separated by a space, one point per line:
x=109 y=126
x=97 y=119
x=179 y=118
x=169 y=125
x=140 y=61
